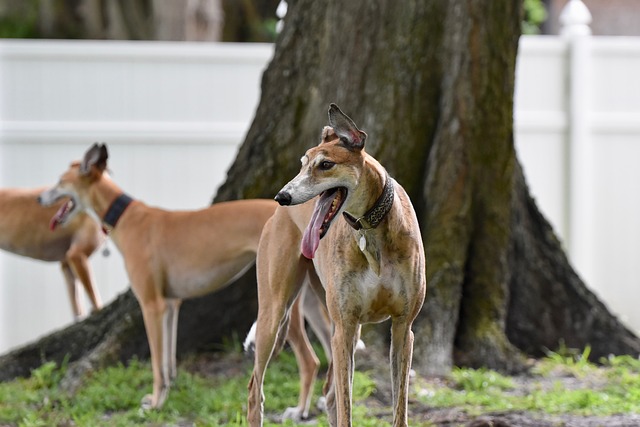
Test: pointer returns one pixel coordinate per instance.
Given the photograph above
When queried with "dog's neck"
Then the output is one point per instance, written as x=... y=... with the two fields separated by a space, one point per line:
x=377 y=212
x=117 y=208
x=108 y=201
x=367 y=212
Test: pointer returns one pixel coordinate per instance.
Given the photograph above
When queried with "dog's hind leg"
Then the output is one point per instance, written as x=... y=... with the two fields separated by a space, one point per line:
x=73 y=289
x=308 y=362
x=400 y=356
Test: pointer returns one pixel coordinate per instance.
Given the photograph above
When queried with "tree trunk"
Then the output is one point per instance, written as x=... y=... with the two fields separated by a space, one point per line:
x=432 y=85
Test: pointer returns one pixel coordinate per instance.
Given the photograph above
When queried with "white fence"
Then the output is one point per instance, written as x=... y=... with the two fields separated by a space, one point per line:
x=174 y=113
x=577 y=112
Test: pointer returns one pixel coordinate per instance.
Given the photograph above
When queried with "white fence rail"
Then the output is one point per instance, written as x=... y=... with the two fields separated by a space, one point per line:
x=174 y=114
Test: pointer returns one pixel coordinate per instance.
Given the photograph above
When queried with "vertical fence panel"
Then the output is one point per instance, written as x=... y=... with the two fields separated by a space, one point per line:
x=575 y=20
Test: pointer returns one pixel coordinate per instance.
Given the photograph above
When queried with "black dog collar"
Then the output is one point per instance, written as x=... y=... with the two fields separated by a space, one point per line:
x=380 y=209
x=116 y=209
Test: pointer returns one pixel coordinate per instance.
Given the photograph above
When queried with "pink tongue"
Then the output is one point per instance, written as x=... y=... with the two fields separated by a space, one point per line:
x=311 y=238
x=57 y=218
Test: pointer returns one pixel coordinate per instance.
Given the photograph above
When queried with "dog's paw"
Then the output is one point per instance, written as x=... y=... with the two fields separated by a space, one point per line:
x=80 y=317
x=147 y=402
x=294 y=414
x=360 y=346
x=322 y=404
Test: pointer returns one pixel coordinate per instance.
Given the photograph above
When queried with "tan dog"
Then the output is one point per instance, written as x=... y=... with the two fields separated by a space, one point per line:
x=169 y=256
x=371 y=264
x=24 y=230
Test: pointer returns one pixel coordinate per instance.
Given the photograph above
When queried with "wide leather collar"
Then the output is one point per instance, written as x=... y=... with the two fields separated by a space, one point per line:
x=117 y=208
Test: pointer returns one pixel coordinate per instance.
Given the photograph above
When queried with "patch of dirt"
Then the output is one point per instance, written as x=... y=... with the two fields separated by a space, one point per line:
x=379 y=403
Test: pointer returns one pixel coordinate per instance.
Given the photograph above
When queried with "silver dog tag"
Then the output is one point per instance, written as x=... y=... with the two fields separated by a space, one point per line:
x=362 y=243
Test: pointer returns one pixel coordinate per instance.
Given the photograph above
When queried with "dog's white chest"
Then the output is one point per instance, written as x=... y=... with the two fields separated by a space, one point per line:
x=379 y=301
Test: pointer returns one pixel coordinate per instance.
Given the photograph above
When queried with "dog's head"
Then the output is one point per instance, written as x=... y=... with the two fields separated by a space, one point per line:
x=74 y=184
x=331 y=170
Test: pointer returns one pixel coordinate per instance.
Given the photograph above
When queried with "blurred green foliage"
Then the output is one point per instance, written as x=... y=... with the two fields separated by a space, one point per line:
x=534 y=15
x=19 y=19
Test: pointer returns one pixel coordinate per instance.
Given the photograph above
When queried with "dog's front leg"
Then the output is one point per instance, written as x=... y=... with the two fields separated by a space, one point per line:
x=72 y=288
x=79 y=262
x=153 y=312
x=400 y=355
x=170 y=339
x=343 y=346
x=280 y=271
x=271 y=322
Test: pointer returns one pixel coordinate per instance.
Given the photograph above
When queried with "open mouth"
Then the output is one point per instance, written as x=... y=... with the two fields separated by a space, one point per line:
x=325 y=211
x=62 y=215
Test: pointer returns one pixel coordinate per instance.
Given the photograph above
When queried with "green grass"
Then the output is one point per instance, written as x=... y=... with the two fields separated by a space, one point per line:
x=111 y=396
x=613 y=387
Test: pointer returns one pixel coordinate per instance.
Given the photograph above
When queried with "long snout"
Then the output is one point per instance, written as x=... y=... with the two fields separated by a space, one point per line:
x=43 y=200
x=299 y=191
x=284 y=198
x=48 y=197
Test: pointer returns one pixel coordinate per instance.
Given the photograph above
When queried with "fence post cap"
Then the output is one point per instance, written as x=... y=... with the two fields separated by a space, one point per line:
x=281 y=12
x=575 y=19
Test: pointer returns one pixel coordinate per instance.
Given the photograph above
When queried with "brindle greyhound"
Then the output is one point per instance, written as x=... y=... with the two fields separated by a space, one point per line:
x=371 y=264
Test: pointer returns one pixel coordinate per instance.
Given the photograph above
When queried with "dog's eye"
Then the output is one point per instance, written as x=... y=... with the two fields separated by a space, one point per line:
x=326 y=165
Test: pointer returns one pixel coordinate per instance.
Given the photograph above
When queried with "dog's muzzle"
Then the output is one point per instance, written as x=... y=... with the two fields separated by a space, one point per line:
x=283 y=198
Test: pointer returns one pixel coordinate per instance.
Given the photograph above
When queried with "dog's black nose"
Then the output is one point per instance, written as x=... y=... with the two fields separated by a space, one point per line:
x=283 y=198
x=39 y=200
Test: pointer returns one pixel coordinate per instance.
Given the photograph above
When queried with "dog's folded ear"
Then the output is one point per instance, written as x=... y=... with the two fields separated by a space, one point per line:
x=352 y=137
x=96 y=156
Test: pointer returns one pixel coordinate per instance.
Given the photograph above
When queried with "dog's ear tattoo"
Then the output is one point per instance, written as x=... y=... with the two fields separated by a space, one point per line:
x=96 y=156
x=352 y=137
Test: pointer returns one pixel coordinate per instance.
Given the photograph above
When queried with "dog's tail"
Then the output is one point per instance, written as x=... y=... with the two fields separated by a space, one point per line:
x=250 y=341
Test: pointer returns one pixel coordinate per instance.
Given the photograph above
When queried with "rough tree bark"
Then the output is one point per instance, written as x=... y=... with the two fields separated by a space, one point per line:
x=432 y=85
